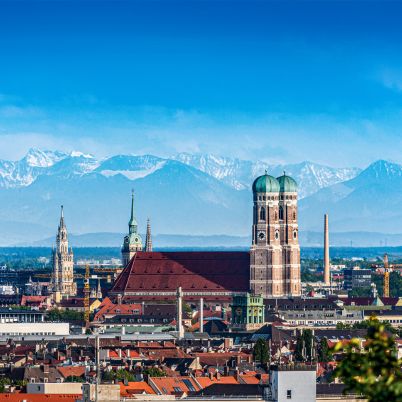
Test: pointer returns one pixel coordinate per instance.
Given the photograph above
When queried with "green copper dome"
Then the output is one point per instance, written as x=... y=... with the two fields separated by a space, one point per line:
x=266 y=184
x=287 y=184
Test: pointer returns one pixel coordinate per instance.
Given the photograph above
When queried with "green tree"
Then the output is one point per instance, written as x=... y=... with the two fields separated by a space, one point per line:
x=187 y=310
x=304 y=346
x=261 y=352
x=3 y=383
x=360 y=292
x=374 y=372
x=324 y=352
x=395 y=284
x=341 y=325
x=154 y=372
x=119 y=375
x=75 y=378
x=64 y=315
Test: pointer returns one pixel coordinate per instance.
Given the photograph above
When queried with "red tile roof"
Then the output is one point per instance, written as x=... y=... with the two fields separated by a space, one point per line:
x=253 y=378
x=175 y=385
x=207 y=381
x=114 y=354
x=111 y=309
x=67 y=371
x=25 y=300
x=206 y=272
x=137 y=387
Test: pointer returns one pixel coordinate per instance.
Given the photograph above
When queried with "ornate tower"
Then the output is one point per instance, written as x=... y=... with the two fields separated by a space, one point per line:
x=275 y=252
x=266 y=253
x=148 y=238
x=63 y=263
x=289 y=234
x=132 y=242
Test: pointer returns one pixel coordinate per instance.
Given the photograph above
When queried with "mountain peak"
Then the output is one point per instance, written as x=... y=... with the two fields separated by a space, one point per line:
x=382 y=168
x=78 y=154
x=36 y=157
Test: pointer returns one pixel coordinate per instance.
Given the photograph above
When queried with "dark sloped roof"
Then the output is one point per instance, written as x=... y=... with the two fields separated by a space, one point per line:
x=330 y=389
x=193 y=271
x=368 y=301
x=300 y=304
x=340 y=333
x=232 y=389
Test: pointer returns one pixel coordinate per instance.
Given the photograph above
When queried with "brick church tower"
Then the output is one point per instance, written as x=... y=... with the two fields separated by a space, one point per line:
x=275 y=251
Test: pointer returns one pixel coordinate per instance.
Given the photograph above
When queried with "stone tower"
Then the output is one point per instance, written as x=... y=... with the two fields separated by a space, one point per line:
x=132 y=242
x=63 y=263
x=275 y=252
x=289 y=234
x=148 y=238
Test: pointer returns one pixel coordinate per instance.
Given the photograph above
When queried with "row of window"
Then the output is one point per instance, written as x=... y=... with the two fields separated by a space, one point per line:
x=275 y=197
x=263 y=216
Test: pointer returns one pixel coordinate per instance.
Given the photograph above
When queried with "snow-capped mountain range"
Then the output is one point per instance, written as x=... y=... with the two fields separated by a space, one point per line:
x=184 y=194
x=236 y=173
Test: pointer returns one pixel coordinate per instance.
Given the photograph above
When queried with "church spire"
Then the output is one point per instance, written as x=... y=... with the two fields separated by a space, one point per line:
x=99 y=290
x=148 y=238
x=132 y=224
x=62 y=224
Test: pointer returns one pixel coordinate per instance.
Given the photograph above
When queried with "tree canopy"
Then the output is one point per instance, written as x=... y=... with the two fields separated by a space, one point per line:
x=261 y=352
x=374 y=372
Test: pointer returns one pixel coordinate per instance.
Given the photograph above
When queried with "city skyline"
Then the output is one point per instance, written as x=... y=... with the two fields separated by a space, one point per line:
x=240 y=79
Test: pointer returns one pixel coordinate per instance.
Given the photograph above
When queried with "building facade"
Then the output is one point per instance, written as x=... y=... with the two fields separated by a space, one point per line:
x=275 y=250
x=270 y=269
x=132 y=242
x=248 y=312
x=63 y=263
x=357 y=278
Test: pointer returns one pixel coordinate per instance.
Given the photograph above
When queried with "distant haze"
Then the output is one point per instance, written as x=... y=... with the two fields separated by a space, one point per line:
x=190 y=195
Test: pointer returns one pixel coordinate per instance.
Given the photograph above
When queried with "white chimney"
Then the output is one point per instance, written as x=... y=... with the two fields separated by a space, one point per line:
x=201 y=315
x=327 y=275
x=179 y=326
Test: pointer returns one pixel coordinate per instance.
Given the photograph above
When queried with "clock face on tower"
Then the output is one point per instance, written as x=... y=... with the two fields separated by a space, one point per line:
x=261 y=235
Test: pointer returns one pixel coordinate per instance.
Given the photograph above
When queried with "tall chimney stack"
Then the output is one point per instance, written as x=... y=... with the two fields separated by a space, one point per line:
x=201 y=315
x=327 y=276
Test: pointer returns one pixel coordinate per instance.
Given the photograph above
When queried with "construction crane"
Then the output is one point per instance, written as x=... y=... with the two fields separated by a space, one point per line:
x=87 y=291
x=386 y=276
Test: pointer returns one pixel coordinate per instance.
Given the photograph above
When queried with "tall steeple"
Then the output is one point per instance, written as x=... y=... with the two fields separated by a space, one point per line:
x=132 y=242
x=148 y=238
x=63 y=262
x=61 y=217
x=132 y=224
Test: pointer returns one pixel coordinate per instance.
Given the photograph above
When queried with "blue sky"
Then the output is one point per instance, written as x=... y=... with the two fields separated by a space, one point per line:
x=280 y=81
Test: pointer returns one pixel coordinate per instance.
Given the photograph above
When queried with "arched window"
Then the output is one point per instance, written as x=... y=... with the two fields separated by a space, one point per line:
x=262 y=214
x=280 y=212
x=276 y=215
x=294 y=215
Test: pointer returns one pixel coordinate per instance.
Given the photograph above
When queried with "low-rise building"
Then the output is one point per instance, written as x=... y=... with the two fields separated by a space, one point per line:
x=10 y=329
x=10 y=315
x=294 y=382
x=50 y=388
